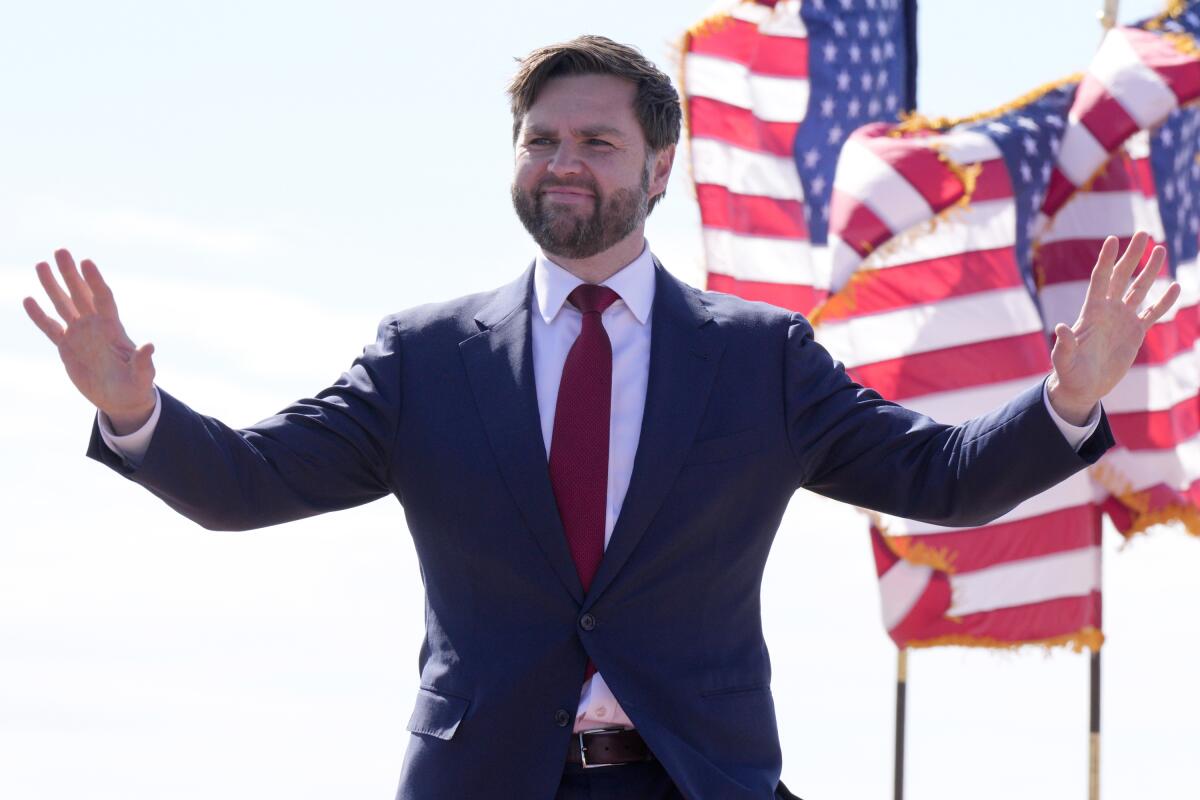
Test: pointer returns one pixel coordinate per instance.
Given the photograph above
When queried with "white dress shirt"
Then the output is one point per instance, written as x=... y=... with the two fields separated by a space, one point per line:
x=627 y=322
x=555 y=326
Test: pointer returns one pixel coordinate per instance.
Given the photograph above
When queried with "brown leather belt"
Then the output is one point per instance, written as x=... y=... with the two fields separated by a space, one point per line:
x=608 y=747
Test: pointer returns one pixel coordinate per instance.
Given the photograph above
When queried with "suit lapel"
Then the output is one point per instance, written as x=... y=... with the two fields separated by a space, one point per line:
x=685 y=349
x=499 y=363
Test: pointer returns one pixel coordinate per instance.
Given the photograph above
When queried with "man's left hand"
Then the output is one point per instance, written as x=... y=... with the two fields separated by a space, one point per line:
x=1091 y=356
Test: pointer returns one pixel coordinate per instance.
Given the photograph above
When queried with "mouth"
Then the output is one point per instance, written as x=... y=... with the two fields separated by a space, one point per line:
x=564 y=194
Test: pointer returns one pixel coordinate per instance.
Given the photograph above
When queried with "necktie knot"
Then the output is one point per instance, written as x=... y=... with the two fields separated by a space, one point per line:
x=589 y=297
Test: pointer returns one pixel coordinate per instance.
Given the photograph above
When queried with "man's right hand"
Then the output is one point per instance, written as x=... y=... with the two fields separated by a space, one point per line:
x=103 y=363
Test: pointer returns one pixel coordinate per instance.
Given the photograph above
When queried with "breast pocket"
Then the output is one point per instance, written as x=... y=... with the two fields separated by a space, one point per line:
x=437 y=714
x=721 y=448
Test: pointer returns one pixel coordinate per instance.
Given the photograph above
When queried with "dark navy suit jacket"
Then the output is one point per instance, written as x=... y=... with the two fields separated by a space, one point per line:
x=742 y=409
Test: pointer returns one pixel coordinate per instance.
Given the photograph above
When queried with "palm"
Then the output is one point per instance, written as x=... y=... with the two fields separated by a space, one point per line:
x=100 y=359
x=1091 y=356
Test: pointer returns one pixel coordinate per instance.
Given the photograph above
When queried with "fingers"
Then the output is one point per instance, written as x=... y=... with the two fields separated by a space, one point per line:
x=1102 y=272
x=62 y=304
x=48 y=325
x=102 y=296
x=1145 y=279
x=1154 y=313
x=81 y=295
x=1127 y=263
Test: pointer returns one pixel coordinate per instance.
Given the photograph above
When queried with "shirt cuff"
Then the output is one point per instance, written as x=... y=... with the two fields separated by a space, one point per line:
x=1075 y=435
x=132 y=446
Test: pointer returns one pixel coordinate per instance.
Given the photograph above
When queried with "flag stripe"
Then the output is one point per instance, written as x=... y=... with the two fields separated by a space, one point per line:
x=712 y=119
x=1056 y=531
x=759 y=258
x=983 y=225
x=1025 y=581
x=953 y=322
x=739 y=42
x=1150 y=430
x=794 y=296
x=1045 y=620
x=744 y=171
x=771 y=98
x=750 y=214
x=975 y=364
x=956 y=275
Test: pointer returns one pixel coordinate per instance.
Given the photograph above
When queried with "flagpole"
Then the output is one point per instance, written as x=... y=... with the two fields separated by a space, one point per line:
x=1108 y=20
x=1108 y=16
x=1094 y=735
x=901 y=683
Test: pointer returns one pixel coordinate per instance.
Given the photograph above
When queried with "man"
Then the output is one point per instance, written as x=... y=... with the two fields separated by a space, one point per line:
x=593 y=461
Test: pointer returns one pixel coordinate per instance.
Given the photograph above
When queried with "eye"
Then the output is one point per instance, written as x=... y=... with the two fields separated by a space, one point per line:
x=539 y=141
x=599 y=143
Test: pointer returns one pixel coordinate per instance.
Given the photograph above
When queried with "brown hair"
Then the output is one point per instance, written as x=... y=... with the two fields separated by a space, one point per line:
x=656 y=103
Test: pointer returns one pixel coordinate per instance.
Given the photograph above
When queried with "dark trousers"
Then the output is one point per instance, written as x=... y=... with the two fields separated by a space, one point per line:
x=644 y=781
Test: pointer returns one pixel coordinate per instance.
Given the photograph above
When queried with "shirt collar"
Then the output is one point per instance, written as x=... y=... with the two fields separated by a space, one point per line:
x=634 y=283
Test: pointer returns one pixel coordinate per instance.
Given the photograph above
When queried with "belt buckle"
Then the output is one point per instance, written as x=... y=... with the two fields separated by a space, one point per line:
x=583 y=747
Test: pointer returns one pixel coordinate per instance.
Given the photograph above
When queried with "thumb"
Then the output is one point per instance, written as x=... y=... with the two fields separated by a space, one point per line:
x=143 y=364
x=1065 y=342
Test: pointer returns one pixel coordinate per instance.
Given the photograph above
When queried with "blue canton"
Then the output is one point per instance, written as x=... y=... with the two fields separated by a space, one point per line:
x=1173 y=159
x=857 y=65
x=1028 y=138
x=1174 y=150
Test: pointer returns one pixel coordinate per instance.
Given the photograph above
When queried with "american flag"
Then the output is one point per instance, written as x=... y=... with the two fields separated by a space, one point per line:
x=950 y=252
x=1151 y=184
x=773 y=89
x=1138 y=147
x=941 y=314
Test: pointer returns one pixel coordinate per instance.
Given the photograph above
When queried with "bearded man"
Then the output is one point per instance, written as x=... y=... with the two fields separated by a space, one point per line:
x=593 y=461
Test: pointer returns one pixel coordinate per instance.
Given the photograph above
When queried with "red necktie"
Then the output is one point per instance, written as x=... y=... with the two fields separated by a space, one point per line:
x=579 y=444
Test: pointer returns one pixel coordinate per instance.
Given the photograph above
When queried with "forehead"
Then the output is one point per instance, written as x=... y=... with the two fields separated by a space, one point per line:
x=582 y=100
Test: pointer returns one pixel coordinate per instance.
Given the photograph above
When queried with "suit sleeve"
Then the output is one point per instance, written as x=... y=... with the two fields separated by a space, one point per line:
x=852 y=445
x=323 y=453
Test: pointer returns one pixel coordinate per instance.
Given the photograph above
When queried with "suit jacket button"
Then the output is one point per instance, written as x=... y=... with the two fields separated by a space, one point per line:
x=562 y=717
x=587 y=622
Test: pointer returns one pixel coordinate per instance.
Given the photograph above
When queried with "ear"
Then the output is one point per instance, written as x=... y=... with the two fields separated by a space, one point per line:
x=660 y=170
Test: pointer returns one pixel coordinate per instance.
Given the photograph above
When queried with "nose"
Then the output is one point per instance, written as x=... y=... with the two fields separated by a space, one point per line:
x=565 y=161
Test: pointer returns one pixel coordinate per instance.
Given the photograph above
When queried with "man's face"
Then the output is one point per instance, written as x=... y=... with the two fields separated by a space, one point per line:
x=583 y=177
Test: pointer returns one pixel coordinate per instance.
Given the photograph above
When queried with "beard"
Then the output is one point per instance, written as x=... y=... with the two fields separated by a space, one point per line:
x=568 y=233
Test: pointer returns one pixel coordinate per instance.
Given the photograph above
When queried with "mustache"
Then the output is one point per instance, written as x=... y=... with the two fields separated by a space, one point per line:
x=556 y=183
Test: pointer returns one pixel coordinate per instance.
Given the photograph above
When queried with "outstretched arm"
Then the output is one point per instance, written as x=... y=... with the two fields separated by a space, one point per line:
x=107 y=368
x=323 y=453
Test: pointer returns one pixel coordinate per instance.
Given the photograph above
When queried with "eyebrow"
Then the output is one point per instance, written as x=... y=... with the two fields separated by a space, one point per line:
x=582 y=133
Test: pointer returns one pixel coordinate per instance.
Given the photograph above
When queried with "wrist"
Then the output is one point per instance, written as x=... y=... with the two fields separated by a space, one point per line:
x=1071 y=407
x=129 y=420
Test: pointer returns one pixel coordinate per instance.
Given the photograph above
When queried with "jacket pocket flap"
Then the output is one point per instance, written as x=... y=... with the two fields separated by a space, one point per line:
x=724 y=447
x=437 y=714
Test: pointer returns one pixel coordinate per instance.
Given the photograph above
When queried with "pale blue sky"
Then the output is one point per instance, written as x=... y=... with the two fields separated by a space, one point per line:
x=261 y=181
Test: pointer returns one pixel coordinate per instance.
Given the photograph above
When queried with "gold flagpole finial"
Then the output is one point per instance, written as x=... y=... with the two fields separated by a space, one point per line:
x=1108 y=15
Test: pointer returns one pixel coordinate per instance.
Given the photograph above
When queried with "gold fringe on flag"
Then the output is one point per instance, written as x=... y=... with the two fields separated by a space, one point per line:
x=1138 y=502
x=1086 y=638
x=843 y=301
x=919 y=123
x=1173 y=10
x=903 y=547
x=939 y=558
x=1183 y=42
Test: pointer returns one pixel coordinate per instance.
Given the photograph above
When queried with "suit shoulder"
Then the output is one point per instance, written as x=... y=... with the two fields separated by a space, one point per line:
x=731 y=311
x=454 y=319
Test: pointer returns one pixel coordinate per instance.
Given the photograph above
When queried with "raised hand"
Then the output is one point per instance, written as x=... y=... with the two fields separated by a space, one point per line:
x=1091 y=356
x=104 y=364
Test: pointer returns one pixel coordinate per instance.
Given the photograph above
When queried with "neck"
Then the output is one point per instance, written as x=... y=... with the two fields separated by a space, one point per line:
x=602 y=266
